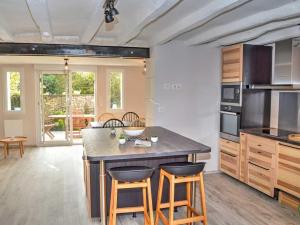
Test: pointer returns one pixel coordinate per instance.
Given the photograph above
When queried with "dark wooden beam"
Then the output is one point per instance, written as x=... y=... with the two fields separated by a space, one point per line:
x=72 y=50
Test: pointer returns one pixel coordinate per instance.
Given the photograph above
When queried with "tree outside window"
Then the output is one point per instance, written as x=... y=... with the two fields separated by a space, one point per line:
x=13 y=91
x=115 y=90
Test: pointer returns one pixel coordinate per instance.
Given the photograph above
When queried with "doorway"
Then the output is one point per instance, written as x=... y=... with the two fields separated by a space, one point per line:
x=67 y=106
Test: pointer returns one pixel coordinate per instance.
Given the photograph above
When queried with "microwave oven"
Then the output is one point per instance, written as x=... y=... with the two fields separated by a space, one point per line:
x=231 y=94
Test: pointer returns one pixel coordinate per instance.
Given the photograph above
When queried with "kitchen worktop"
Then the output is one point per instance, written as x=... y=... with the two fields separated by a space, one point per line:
x=99 y=144
x=272 y=133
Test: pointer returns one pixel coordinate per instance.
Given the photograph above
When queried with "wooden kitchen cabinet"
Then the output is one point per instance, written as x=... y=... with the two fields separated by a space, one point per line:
x=250 y=64
x=229 y=157
x=243 y=157
x=232 y=63
x=288 y=169
x=261 y=157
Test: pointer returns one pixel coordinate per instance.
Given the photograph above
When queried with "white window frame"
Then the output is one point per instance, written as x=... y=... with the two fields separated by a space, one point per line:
x=22 y=89
x=108 y=75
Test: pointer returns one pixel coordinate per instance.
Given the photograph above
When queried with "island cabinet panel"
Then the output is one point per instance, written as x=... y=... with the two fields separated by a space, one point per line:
x=261 y=160
x=243 y=157
x=229 y=158
x=232 y=63
x=288 y=169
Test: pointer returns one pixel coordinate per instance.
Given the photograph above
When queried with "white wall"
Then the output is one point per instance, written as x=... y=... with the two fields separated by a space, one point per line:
x=193 y=109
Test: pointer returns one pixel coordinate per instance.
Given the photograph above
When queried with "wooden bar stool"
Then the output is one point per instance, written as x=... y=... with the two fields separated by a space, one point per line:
x=176 y=173
x=130 y=177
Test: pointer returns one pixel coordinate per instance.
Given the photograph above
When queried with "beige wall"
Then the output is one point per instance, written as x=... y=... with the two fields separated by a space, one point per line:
x=134 y=96
x=29 y=114
x=134 y=90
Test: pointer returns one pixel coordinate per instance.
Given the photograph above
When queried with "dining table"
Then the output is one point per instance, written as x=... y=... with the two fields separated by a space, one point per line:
x=101 y=151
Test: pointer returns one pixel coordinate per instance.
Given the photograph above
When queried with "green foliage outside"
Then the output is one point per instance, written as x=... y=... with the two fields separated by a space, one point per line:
x=54 y=84
x=83 y=83
x=115 y=90
x=15 y=89
x=54 y=91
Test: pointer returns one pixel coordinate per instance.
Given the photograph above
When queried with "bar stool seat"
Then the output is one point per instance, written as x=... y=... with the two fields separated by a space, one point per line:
x=183 y=168
x=130 y=173
x=179 y=173
x=131 y=177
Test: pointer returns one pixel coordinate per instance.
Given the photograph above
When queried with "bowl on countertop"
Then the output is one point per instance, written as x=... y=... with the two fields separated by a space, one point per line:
x=133 y=131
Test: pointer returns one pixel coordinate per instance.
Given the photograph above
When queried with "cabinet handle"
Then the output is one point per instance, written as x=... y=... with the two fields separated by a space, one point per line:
x=258 y=165
x=259 y=152
x=259 y=145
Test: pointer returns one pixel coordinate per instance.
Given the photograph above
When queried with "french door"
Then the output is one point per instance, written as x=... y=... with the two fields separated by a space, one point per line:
x=55 y=108
x=67 y=104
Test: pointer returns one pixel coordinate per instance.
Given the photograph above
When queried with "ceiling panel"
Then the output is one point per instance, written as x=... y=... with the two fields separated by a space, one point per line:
x=69 y=17
x=15 y=17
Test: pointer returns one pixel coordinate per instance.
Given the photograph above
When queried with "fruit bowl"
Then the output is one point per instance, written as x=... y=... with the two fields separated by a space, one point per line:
x=133 y=131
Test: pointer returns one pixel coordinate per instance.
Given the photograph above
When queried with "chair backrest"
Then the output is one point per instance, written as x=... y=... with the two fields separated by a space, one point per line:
x=130 y=117
x=138 y=123
x=113 y=123
x=105 y=117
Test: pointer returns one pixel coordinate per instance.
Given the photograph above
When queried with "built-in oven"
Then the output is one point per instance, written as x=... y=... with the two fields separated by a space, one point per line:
x=230 y=122
x=231 y=94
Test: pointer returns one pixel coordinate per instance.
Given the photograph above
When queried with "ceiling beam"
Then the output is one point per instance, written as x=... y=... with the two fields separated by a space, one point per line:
x=214 y=9
x=95 y=21
x=280 y=13
x=290 y=32
x=40 y=15
x=158 y=9
x=254 y=33
x=5 y=35
x=72 y=50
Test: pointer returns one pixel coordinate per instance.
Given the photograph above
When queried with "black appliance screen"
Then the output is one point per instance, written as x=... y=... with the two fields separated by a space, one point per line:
x=229 y=124
x=228 y=93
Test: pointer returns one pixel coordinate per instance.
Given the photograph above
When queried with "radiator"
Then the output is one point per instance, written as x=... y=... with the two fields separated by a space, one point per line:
x=13 y=128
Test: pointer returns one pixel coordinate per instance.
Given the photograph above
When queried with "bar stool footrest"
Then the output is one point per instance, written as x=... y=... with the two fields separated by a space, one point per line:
x=130 y=209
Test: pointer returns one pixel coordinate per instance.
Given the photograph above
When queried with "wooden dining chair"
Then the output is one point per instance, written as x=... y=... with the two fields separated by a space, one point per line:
x=105 y=117
x=113 y=123
x=130 y=117
x=138 y=123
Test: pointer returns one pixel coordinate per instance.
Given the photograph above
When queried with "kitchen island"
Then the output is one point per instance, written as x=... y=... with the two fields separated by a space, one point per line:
x=102 y=151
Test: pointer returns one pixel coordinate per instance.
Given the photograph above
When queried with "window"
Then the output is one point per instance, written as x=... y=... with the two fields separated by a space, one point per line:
x=115 y=85
x=13 y=91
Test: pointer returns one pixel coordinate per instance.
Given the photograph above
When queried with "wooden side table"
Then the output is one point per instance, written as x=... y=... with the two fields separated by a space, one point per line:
x=19 y=140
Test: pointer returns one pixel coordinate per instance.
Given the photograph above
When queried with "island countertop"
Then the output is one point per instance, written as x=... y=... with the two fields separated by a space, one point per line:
x=99 y=144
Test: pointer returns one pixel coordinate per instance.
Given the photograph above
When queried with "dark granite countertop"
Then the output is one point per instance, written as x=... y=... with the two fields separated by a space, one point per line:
x=272 y=133
x=100 y=145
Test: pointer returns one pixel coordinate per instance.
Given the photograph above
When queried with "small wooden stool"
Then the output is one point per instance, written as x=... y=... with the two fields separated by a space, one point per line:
x=181 y=172
x=131 y=177
x=13 y=140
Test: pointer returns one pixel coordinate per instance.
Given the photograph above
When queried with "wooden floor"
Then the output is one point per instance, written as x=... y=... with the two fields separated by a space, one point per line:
x=46 y=187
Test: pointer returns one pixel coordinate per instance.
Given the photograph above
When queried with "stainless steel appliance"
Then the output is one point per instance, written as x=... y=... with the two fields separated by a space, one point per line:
x=254 y=113
x=230 y=122
x=231 y=94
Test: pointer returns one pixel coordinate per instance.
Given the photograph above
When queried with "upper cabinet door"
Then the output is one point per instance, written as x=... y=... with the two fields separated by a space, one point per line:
x=232 y=63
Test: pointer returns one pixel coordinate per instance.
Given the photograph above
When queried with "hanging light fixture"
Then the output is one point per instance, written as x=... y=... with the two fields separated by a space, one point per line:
x=66 y=65
x=110 y=11
x=145 y=66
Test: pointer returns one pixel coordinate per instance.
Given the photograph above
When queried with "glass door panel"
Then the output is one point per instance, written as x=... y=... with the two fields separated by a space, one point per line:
x=55 y=108
x=83 y=102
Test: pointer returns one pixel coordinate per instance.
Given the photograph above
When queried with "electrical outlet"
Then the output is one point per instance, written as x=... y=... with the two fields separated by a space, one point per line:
x=161 y=109
x=167 y=86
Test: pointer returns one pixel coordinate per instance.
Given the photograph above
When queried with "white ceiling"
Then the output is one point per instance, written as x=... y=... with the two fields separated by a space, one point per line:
x=146 y=23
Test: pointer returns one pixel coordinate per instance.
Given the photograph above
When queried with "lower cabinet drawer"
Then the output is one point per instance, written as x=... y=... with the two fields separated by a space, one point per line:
x=261 y=179
x=229 y=164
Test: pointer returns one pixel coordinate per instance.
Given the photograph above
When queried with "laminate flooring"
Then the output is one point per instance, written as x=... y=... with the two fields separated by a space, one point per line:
x=45 y=187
